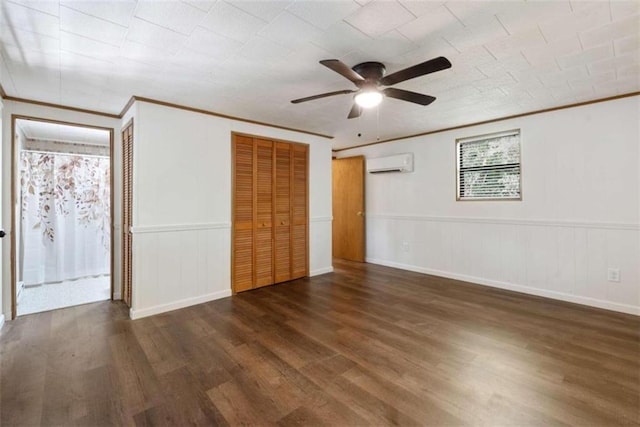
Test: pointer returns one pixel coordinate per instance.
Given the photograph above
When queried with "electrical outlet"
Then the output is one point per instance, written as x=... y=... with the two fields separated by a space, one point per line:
x=405 y=246
x=613 y=274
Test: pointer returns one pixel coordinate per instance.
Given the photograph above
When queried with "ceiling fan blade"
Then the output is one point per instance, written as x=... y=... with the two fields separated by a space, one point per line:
x=356 y=110
x=405 y=95
x=322 y=95
x=342 y=69
x=431 y=66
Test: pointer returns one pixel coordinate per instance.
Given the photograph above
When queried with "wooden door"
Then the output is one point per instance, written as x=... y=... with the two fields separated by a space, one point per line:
x=348 y=208
x=263 y=226
x=270 y=212
x=282 y=217
x=243 y=214
x=299 y=212
x=127 y=212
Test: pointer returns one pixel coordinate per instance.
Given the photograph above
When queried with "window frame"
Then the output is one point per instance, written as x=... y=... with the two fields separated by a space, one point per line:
x=474 y=138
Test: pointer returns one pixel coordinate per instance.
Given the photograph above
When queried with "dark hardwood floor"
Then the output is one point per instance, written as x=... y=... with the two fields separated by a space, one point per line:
x=366 y=345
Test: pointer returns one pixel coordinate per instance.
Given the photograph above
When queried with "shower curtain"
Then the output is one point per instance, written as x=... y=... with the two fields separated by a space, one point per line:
x=65 y=216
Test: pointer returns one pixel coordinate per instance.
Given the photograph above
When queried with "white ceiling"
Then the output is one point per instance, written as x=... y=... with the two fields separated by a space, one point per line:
x=62 y=133
x=250 y=58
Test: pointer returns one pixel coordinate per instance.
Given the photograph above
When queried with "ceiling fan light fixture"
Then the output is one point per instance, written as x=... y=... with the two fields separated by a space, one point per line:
x=369 y=99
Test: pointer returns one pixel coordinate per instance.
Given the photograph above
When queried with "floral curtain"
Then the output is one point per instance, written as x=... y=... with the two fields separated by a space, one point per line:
x=65 y=216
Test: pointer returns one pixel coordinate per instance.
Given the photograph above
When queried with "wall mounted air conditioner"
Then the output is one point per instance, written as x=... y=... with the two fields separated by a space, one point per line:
x=395 y=163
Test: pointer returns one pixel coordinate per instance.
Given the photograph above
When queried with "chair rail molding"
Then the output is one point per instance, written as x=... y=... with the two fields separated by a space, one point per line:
x=508 y=221
x=168 y=228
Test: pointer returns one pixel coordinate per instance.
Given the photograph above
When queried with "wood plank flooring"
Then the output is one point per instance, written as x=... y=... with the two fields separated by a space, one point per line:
x=366 y=345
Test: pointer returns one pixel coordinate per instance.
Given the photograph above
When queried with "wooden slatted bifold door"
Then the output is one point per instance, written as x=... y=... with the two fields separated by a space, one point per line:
x=283 y=212
x=127 y=212
x=299 y=212
x=243 y=207
x=264 y=213
x=270 y=212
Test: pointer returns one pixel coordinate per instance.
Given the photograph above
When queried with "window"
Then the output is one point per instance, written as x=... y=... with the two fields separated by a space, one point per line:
x=489 y=167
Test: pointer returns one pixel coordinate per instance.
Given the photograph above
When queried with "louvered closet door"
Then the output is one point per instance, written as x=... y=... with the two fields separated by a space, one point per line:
x=299 y=212
x=282 y=255
x=270 y=212
x=127 y=212
x=243 y=214
x=264 y=213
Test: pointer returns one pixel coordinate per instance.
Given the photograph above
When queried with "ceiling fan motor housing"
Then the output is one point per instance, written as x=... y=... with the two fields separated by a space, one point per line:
x=372 y=72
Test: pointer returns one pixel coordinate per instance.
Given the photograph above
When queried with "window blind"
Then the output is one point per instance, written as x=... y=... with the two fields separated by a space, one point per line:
x=489 y=167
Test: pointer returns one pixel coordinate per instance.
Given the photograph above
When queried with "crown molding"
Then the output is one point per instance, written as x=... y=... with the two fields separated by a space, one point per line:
x=59 y=106
x=127 y=106
x=134 y=98
x=215 y=114
x=484 y=122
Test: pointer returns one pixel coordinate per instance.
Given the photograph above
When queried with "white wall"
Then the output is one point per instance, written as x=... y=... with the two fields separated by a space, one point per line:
x=182 y=206
x=43 y=112
x=4 y=243
x=579 y=215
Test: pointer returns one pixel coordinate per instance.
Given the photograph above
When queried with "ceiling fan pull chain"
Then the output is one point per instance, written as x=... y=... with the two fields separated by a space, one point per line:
x=378 y=123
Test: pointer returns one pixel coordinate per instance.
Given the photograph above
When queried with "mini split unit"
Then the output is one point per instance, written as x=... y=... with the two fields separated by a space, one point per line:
x=395 y=163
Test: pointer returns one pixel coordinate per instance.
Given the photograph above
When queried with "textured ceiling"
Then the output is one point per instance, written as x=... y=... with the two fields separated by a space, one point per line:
x=250 y=58
x=62 y=133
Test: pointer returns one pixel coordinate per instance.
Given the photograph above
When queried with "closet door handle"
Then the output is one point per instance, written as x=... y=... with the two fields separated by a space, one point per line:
x=281 y=222
x=2 y=234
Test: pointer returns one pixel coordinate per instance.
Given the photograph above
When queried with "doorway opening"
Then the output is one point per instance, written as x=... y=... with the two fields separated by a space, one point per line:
x=62 y=215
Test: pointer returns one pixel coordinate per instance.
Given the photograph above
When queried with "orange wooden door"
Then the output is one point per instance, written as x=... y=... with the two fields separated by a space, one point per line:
x=242 y=274
x=263 y=225
x=299 y=212
x=348 y=208
x=282 y=226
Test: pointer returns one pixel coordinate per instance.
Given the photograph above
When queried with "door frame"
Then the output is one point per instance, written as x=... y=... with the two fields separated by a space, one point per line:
x=14 y=194
x=363 y=208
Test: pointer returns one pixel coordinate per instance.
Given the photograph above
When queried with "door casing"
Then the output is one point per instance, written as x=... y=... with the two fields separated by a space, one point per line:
x=14 y=197
x=348 y=231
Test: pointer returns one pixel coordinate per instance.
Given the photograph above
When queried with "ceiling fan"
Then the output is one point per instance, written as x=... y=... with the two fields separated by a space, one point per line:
x=369 y=77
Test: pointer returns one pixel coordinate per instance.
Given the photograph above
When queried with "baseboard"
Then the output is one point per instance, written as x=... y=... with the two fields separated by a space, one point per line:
x=1 y=321
x=187 y=302
x=592 y=302
x=320 y=271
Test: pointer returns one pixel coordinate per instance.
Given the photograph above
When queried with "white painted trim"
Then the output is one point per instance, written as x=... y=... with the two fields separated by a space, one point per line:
x=179 y=227
x=117 y=296
x=593 y=302
x=321 y=219
x=320 y=271
x=1 y=321
x=510 y=221
x=187 y=302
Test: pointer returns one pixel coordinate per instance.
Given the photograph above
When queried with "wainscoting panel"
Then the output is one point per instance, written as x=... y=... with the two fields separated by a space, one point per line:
x=567 y=261
x=176 y=266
